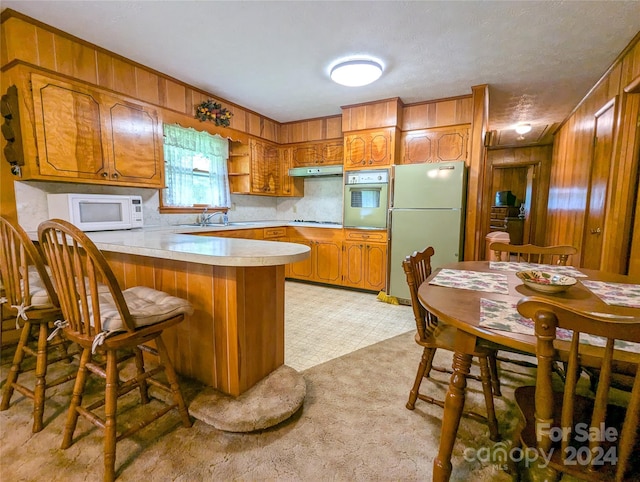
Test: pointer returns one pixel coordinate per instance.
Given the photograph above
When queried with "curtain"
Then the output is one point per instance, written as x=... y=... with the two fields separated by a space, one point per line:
x=195 y=168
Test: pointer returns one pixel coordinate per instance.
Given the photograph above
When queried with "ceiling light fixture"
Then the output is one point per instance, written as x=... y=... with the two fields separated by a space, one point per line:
x=356 y=73
x=523 y=128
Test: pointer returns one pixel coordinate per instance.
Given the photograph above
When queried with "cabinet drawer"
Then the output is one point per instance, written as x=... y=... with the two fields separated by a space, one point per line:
x=270 y=233
x=369 y=236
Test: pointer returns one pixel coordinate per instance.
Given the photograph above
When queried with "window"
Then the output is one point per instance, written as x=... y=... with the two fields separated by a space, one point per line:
x=195 y=168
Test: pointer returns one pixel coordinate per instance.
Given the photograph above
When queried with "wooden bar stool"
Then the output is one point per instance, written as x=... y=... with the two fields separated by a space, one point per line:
x=29 y=297
x=110 y=324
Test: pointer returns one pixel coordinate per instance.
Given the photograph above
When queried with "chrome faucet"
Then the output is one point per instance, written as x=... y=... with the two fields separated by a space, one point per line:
x=206 y=218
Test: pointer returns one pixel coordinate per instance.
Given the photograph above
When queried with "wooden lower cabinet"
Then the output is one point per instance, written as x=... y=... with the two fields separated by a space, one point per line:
x=365 y=259
x=355 y=258
x=326 y=252
x=327 y=260
x=235 y=233
x=302 y=269
x=352 y=258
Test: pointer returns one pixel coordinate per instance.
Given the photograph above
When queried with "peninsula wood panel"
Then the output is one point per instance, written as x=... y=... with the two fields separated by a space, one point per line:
x=235 y=337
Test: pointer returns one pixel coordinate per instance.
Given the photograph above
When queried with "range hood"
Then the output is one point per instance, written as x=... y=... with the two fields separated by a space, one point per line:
x=315 y=171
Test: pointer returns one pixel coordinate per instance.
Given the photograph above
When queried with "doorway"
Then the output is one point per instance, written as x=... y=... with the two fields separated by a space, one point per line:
x=521 y=180
x=598 y=186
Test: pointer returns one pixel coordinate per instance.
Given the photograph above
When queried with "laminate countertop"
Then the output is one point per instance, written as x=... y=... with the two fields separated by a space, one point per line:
x=176 y=242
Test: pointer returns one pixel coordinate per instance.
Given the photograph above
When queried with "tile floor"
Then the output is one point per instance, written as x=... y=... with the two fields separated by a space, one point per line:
x=322 y=323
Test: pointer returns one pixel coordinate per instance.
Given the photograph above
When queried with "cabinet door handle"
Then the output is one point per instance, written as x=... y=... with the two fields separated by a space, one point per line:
x=104 y=174
x=114 y=175
x=596 y=231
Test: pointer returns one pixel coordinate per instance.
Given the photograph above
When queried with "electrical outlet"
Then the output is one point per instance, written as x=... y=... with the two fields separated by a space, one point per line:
x=295 y=209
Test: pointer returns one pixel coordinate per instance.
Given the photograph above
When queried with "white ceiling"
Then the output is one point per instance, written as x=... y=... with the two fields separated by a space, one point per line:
x=539 y=58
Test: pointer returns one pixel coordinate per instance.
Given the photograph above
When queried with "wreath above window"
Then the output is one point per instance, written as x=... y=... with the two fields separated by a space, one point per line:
x=213 y=111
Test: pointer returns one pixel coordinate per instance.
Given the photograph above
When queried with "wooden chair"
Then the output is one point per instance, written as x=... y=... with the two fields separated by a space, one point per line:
x=28 y=296
x=529 y=253
x=108 y=323
x=546 y=412
x=432 y=335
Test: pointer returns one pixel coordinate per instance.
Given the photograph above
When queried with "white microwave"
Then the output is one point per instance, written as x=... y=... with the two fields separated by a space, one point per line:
x=97 y=212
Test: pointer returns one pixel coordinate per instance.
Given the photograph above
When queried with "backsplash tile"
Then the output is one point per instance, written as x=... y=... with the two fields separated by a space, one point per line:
x=322 y=202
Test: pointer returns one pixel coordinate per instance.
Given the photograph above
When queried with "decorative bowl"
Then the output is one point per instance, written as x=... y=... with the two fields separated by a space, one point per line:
x=546 y=282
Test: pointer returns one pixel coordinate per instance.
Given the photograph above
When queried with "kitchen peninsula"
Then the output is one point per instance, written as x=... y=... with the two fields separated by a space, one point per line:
x=235 y=337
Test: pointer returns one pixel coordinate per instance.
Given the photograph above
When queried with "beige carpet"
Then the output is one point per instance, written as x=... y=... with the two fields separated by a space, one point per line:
x=353 y=426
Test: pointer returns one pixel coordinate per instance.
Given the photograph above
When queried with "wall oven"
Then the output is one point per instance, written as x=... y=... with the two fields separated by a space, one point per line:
x=366 y=199
x=97 y=212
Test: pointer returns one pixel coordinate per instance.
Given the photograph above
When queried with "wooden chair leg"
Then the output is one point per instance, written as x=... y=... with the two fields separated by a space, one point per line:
x=40 y=374
x=432 y=354
x=142 y=382
x=178 y=399
x=76 y=399
x=495 y=378
x=110 y=409
x=16 y=366
x=485 y=377
x=413 y=394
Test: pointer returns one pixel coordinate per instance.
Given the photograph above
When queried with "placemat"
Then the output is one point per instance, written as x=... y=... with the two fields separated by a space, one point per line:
x=472 y=280
x=513 y=266
x=617 y=294
x=504 y=316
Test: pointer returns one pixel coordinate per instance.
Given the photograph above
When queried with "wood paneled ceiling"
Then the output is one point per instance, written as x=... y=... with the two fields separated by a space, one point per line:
x=539 y=58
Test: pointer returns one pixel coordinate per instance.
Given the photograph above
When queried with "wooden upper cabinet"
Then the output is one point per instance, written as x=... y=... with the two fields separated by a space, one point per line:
x=87 y=135
x=289 y=186
x=304 y=155
x=134 y=147
x=371 y=148
x=70 y=130
x=325 y=153
x=434 y=145
x=332 y=152
x=265 y=167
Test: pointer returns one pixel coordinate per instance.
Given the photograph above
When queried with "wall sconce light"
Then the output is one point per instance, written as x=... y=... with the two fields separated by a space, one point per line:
x=523 y=128
x=356 y=73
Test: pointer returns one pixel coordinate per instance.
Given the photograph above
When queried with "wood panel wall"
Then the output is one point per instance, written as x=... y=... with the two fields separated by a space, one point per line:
x=308 y=130
x=27 y=40
x=477 y=216
x=437 y=113
x=571 y=168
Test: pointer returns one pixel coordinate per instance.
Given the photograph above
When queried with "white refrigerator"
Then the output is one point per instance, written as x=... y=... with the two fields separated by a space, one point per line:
x=427 y=209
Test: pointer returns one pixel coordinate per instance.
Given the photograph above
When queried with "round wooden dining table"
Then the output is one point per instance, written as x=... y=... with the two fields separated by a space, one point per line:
x=461 y=308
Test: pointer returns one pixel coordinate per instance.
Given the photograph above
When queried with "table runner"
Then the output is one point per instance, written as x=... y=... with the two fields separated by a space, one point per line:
x=472 y=280
x=513 y=266
x=504 y=316
x=618 y=294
